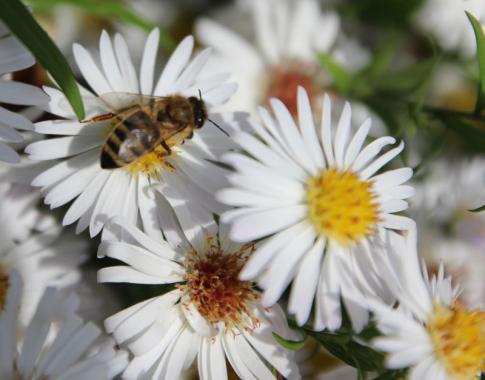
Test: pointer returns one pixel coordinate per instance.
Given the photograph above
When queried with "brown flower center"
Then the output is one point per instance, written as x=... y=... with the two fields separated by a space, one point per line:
x=213 y=286
x=284 y=80
x=4 y=285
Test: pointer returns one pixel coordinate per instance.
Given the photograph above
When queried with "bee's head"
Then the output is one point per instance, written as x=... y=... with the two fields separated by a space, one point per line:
x=200 y=112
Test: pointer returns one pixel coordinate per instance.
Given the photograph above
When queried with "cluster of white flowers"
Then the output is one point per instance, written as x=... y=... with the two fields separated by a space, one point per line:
x=276 y=189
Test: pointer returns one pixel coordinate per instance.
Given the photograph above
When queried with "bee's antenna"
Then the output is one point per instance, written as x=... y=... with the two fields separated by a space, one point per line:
x=200 y=95
x=219 y=127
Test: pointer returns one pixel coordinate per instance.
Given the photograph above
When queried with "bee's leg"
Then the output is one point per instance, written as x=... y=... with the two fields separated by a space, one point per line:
x=166 y=147
x=98 y=118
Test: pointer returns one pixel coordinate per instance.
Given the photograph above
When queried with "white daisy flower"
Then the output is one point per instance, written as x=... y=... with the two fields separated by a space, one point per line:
x=288 y=35
x=210 y=314
x=57 y=344
x=42 y=259
x=449 y=232
x=314 y=195
x=14 y=57
x=431 y=332
x=21 y=202
x=446 y=20
x=187 y=178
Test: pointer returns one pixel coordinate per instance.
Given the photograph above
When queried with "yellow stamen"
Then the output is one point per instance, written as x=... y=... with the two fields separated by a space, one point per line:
x=458 y=337
x=4 y=285
x=341 y=206
x=213 y=286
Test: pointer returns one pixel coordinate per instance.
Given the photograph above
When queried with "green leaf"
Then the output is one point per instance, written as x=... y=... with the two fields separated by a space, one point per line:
x=478 y=209
x=349 y=351
x=405 y=80
x=22 y=24
x=480 y=38
x=340 y=76
x=290 y=344
x=469 y=130
x=108 y=9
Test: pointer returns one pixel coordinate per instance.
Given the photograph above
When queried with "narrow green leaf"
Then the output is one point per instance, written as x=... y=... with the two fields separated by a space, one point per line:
x=108 y=9
x=478 y=209
x=480 y=38
x=340 y=76
x=22 y=24
x=290 y=344
x=354 y=354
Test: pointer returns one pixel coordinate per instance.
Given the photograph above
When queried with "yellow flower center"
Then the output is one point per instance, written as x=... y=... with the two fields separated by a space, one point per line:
x=458 y=337
x=4 y=284
x=341 y=206
x=214 y=287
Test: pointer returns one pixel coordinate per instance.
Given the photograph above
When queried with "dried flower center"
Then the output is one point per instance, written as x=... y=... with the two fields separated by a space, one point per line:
x=341 y=206
x=458 y=337
x=214 y=287
x=4 y=285
x=284 y=80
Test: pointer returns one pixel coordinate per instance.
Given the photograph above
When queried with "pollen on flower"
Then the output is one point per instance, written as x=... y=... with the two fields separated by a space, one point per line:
x=283 y=81
x=4 y=285
x=152 y=164
x=213 y=286
x=458 y=338
x=341 y=206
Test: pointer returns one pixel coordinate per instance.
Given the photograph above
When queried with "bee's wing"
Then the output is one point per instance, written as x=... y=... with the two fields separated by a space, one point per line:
x=137 y=142
x=116 y=101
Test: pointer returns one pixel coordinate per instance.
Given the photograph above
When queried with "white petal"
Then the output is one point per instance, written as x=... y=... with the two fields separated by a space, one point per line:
x=342 y=135
x=90 y=70
x=305 y=283
x=308 y=129
x=263 y=255
x=128 y=71
x=263 y=223
x=370 y=151
x=326 y=131
x=381 y=161
x=179 y=58
x=356 y=143
x=148 y=62
x=110 y=65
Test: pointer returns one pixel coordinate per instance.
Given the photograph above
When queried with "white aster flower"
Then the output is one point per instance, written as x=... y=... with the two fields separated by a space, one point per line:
x=288 y=35
x=210 y=314
x=446 y=20
x=449 y=232
x=14 y=57
x=21 y=202
x=431 y=331
x=57 y=344
x=313 y=193
x=186 y=178
x=42 y=259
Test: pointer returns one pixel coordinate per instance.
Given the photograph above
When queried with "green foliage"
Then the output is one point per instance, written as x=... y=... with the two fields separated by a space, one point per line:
x=109 y=9
x=22 y=24
x=480 y=38
x=340 y=76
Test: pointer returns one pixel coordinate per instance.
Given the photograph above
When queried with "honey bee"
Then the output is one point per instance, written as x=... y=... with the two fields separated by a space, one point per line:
x=147 y=123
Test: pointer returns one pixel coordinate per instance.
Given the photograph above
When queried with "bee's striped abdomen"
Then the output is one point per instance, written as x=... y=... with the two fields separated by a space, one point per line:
x=131 y=138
